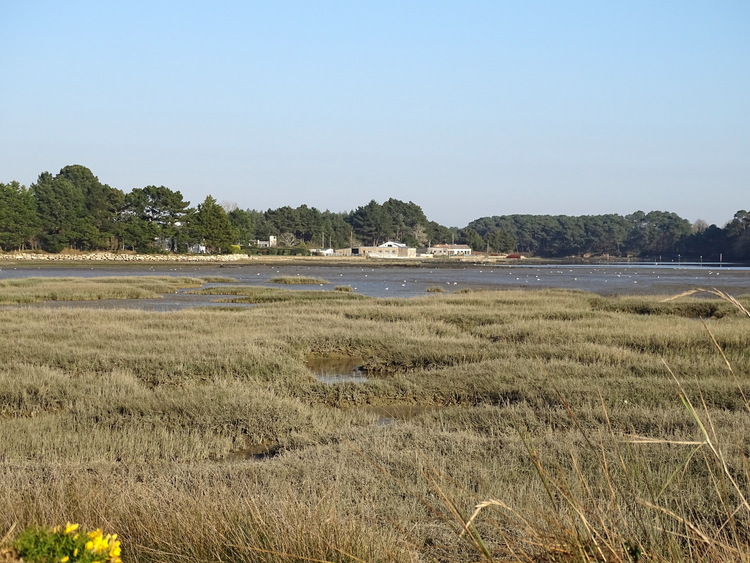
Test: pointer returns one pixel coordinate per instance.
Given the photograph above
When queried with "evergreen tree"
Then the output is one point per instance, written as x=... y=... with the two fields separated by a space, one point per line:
x=152 y=218
x=212 y=226
x=243 y=225
x=738 y=233
x=408 y=222
x=371 y=223
x=438 y=234
x=501 y=241
x=19 y=223
x=472 y=238
x=61 y=208
x=99 y=224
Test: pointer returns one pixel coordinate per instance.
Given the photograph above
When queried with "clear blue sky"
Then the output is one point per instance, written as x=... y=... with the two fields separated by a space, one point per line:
x=467 y=108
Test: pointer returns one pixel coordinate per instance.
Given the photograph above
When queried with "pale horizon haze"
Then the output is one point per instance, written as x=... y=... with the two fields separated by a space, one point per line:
x=468 y=109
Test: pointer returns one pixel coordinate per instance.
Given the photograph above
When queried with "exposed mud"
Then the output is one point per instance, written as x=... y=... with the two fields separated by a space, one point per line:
x=254 y=452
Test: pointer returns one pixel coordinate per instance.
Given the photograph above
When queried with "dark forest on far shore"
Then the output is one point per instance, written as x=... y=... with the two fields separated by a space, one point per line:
x=74 y=210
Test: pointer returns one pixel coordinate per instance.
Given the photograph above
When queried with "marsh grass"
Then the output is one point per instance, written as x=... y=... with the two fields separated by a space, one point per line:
x=298 y=280
x=254 y=294
x=135 y=422
x=627 y=514
x=33 y=290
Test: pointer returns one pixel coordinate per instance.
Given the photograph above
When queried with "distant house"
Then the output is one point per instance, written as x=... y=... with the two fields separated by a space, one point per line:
x=389 y=249
x=450 y=250
x=197 y=248
x=270 y=243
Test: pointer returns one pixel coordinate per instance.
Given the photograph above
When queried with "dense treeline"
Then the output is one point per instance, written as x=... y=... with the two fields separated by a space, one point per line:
x=658 y=235
x=74 y=210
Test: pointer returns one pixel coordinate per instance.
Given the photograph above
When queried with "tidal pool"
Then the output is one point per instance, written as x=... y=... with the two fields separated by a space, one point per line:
x=337 y=369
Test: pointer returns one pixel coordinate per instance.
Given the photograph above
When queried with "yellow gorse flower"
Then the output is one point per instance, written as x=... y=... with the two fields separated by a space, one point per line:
x=99 y=543
x=93 y=546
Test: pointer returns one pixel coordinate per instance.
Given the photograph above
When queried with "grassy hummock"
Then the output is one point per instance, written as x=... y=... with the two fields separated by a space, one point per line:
x=298 y=280
x=34 y=290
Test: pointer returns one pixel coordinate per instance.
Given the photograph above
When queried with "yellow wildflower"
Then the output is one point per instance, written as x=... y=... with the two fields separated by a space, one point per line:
x=64 y=559
x=99 y=545
x=70 y=528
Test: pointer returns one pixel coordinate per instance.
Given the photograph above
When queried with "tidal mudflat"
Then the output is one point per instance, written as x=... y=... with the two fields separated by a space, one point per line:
x=387 y=280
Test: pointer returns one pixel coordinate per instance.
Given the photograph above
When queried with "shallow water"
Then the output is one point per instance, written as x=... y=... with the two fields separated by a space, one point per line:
x=403 y=281
x=337 y=370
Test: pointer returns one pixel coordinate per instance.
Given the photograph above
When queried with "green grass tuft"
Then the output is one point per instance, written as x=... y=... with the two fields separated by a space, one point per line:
x=298 y=280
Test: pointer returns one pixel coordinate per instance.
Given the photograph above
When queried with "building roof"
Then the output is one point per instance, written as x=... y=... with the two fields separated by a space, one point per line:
x=453 y=246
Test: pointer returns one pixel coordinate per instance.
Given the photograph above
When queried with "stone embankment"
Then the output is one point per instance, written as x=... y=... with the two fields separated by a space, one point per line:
x=116 y=257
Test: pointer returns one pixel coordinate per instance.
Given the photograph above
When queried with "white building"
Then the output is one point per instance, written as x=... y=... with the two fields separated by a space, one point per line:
x=388 y=249
x=270 y=243
x=450 y=250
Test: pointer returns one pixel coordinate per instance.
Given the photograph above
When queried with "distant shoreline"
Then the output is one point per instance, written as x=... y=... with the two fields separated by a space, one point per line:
x=112 y=257
x=236 y=260
x=120 y=257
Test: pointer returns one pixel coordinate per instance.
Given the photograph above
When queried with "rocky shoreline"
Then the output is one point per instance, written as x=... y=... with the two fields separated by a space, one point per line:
x=124 y=257
x=117 y=257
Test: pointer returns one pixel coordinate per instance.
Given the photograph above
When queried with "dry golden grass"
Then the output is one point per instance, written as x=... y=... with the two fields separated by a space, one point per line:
x=153 y=425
